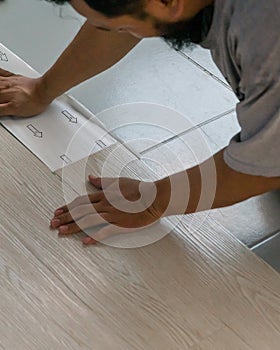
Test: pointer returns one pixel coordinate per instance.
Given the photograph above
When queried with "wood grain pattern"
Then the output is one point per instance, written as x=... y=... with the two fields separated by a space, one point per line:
x=37 y=310
x=226 y=259
x=111 y=283
x=221 y=340
x=172 y=294
x=246 y=296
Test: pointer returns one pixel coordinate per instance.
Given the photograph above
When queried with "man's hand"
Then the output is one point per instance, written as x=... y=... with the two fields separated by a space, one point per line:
x=120 y=206
x=21 y=96
x=25 y=97
x=125 y=205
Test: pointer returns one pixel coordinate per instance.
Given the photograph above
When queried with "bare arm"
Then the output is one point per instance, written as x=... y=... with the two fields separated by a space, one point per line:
x=232 y=187
x=91 y=52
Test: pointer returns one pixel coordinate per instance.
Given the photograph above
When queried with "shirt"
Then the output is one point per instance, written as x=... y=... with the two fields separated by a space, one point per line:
x=244 y=39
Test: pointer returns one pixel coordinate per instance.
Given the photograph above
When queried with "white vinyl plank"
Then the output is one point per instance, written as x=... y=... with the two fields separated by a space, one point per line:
x=221 y=130
x=150 y=73
x=34 y=30
x=202 y=58
x=153 y=73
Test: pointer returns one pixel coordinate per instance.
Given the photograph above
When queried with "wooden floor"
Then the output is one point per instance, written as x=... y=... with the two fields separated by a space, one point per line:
x=199 y=287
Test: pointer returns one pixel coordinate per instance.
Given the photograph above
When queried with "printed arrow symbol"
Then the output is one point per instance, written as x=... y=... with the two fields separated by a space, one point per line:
x=66 y=159
x=3 y=56
x=101 y=144
x=35 y=131
x=71 y=118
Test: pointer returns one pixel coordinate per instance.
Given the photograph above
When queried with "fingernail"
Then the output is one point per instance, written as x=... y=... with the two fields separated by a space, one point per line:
x=58 y=212
x=88 y=240
x=55 y=222
x=63 y=229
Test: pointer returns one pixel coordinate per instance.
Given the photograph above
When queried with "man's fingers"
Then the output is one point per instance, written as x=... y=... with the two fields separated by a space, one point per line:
x=5 y=73
x=79 y=201
x=105 y=232
x=84 y=224
x=74 y=215
x=4 y=85
x=6 y=109
x=101 y=182
x=89 y=241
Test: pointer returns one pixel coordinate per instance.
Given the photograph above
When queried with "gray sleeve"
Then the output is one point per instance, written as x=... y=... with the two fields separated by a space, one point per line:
x=256 y=150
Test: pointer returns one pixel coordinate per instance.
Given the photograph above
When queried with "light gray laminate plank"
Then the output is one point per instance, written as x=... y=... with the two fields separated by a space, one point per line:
x=119 y=286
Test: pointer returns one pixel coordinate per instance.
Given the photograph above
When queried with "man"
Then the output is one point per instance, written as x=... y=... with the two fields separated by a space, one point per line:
x=244 y=40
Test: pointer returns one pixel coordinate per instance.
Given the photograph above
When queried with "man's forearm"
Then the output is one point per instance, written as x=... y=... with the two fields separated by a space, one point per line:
x=210 y=185
x=91 y=52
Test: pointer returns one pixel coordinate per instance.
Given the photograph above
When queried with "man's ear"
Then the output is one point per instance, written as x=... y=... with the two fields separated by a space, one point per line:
x=165 y=10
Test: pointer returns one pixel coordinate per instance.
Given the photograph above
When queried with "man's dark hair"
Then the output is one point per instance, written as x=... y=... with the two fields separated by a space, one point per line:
x=112 y=8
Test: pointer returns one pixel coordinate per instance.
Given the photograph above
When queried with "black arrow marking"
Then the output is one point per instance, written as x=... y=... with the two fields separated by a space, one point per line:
x=35 y=131
x=66 y=159
x=101 y=144
x=70 y=117
x=3 y=56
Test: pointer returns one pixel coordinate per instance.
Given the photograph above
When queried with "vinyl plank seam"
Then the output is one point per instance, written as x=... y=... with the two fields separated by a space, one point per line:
x=206 y=71
x=183 y=133
x=267 y=238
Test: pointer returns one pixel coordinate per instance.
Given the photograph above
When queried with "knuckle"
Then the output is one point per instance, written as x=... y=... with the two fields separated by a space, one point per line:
x=92 y=197
x=66 y=217
x=74 y=228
